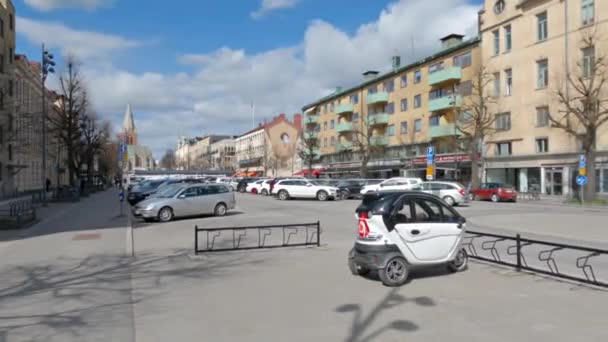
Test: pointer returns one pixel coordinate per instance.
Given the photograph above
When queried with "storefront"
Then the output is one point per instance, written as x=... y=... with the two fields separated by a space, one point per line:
x=453 y=167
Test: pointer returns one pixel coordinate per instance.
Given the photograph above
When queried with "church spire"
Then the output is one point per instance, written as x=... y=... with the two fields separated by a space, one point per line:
x=128 y=123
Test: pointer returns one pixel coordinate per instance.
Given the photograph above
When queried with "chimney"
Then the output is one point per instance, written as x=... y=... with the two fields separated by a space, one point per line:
x=370 y=75
x=297 y=120
x=396 y=62
x=451 y=40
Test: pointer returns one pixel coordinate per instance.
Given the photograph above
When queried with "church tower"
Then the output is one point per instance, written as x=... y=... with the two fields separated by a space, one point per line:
x=128 y=127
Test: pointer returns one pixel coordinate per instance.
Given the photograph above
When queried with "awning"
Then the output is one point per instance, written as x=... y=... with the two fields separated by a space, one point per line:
x=314 y=172
x=247 y=174
x=310 y=110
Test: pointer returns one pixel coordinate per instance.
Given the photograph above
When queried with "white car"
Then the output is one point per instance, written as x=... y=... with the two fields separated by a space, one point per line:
x=255 y=187
x=397 y=183
x=234 y=182
x=451 y=192
x=265 y=188
x=398 y=232
x=303 y=188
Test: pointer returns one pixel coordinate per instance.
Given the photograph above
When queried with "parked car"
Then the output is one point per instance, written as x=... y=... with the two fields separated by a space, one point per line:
x=234 y=182
x=402 y=230
x=495 y=192
x=265 y=187
x=136 y=196
x=242 y=185
x=255 y=187
x=142 y=191
x=350 y=188
x=396 y=183
x=187 y=200
x=272 y=183
x=303 y=188
x=451 y=192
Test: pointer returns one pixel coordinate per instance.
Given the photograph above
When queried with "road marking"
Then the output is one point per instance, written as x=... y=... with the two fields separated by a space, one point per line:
x=130 y=239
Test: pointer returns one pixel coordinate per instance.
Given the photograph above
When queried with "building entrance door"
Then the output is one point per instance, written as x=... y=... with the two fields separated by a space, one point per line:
x=554 y=181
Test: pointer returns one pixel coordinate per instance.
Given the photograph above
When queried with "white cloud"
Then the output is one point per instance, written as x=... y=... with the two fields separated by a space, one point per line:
x=48 y=5
x=84 y=44
x=216 y=97
x=272 y=5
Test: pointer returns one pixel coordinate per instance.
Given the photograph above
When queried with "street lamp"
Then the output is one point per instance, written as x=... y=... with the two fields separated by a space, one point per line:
x=47 y=67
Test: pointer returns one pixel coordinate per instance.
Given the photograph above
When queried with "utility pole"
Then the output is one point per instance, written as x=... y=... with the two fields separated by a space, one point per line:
x=47 y=67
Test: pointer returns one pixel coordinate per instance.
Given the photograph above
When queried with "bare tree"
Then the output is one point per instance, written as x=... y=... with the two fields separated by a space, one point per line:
x=94 y=136
x=306 y=151
x=583 y=100
x=476 y=122
x=65 y=122
x=364 y=141
x=168 y=160
x=108 y=159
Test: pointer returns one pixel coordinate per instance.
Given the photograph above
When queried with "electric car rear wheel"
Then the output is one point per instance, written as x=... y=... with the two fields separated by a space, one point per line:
x=395 y=272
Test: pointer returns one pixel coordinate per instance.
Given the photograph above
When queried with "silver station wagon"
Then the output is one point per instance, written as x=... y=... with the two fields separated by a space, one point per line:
x=186 y=200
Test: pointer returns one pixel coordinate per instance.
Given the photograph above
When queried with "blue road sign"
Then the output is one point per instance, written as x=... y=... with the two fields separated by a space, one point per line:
x=582 y=162
x=430 y=151
x=581 y=180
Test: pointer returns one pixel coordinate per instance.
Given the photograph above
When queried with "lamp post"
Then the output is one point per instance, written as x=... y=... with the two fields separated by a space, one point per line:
x=47 y=67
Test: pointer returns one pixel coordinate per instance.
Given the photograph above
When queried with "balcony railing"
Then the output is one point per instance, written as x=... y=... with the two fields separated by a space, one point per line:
x=311 y=119
x=445 y=75
x=344 y=127
x=344 y=145
x=378 y=97
x=378 y=119
x=344 y=108
x=379 y=141
x=444 y=130
x=446 y=102
x=310 y=135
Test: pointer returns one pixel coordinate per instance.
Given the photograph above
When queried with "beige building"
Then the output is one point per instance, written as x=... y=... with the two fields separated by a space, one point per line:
x=207 y=152
x=222 y=154
x=397 y=115
x=529 y=47
x=7 y=88
x=270 y=148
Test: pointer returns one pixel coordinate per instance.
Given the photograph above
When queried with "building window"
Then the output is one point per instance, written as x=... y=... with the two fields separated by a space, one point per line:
x=588 y=61
x=507 y=38
x=435 y=67
x=541 y=26
x=403 y=127
x=465 y=88
x=372 y=90
x=389 y=86
x=496 y=84
x=318 y=128
x=354 y=99
x=542 y=116
x=542 y=145
x=325 y=125
x=417 y=125
x=331 y=107
x=503 y=121
x=403 y=81
x=542 y=75
x=355 y=117
x=333 y=141
x=403 y=105
x=508 y=82
x=324 y=142
x=390 y=130
x=587 y=11
x=495 y=42
x=417 y=101
x=1 y=63
x=10 y=122
x=11 y=22
x=10 y=56
x=417 y=76
x=463 y=60
x=325 y=108
x=503 y=149
x=10 y=152
x=331 y=124
x=389 y=108
x=434 y=120
x=1 y=28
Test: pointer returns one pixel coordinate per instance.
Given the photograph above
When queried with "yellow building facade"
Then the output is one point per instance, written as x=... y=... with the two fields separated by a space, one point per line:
x=399 y=114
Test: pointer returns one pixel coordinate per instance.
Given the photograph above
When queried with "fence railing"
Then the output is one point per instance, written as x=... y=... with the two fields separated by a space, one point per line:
x=551 y=258
x=256 y=237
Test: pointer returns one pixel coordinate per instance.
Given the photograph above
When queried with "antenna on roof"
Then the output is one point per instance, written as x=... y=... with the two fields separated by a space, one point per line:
x=412 y=47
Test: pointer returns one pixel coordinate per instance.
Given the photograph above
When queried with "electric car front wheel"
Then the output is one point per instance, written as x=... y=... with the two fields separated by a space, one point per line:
x=460 y=262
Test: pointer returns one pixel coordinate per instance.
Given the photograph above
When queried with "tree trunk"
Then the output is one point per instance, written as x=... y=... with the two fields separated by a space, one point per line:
x=591 y=176
x=475 y=172
x=363 y=170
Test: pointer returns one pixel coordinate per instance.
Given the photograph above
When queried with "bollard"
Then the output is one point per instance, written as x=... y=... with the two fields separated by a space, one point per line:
x=318 y=233
x=518 y=242
x=195 y=240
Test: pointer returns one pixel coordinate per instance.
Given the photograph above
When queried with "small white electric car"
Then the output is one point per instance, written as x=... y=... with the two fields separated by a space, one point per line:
x=401 y=230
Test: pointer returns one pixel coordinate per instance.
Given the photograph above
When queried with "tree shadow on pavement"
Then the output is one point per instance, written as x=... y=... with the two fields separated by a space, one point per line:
x=361 y=323
x=73 y=298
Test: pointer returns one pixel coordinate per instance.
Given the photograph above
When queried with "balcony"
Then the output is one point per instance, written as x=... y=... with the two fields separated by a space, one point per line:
x=446 y=102
x=379 y=97
x=379 y=141
x=311 y=119
x=444 y=130
x=446 y=75
x=310 y=135
x=378 y=119
x=343 y=146
x=344 y=108
x=343 y=127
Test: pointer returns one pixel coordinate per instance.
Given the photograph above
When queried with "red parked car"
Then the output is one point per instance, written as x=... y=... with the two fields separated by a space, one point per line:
x=495 y=192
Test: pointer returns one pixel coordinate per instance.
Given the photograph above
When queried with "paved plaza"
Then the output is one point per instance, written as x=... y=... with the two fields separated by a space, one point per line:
x=71 y=278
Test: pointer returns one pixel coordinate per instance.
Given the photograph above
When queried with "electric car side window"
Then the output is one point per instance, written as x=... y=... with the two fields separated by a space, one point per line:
x=427 y=211
x=404 y=213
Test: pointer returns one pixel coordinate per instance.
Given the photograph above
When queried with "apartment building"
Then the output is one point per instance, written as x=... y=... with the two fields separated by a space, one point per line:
x=398 y=114
x=270 y=148
x=529 y=48
x=222 y=154
x=7 y=123
x=197 y=153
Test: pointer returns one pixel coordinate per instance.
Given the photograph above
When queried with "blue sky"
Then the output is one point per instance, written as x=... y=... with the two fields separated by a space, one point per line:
x=194 y=67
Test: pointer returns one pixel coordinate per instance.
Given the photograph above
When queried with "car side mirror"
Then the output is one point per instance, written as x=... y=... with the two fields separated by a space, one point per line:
x=181 y=196
x=461 y=222
x=308 y=184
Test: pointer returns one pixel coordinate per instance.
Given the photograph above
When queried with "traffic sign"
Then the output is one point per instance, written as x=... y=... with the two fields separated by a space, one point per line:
x=582 y=171
x=429 y=172
x=582 y=161
x=581 y=180
x=430 y=151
